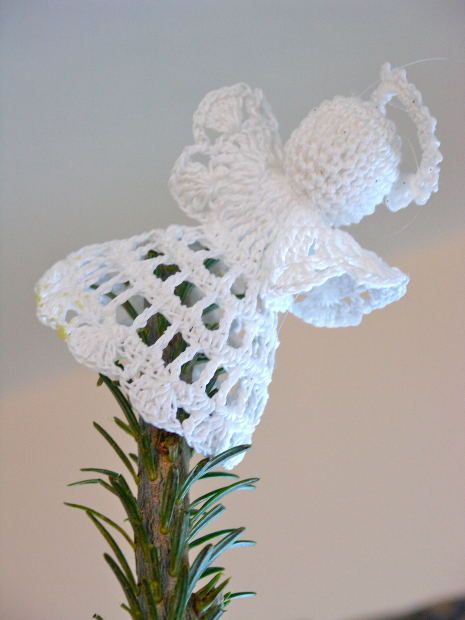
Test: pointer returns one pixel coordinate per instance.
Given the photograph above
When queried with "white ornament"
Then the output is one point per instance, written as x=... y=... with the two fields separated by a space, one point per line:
x=185 y=319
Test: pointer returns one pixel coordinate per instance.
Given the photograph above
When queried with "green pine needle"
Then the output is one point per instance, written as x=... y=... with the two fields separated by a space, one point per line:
x=99 y=481
x=226 y=543
x=169 y=499
x=102 y=517
x=123 y=426
x=206 y=465
x=207 y=601
x=231 y=596
x=209 y=585
x=203 y=539
x=213 y=614
x=199 y=521
x=117 y=551
x=219 y=474
x=149 y=597
x=212 y=496
x=211 y=570
x=118 y=450
x=133 y=603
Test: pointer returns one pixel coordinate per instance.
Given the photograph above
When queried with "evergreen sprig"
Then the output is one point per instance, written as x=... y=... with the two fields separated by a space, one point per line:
x=147 y=595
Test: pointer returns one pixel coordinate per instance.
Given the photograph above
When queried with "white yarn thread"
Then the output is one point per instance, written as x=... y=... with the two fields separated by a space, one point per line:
x=419 y=186
x=267 y=242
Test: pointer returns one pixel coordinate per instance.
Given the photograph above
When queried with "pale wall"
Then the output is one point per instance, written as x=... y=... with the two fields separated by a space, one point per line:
x=362 y=448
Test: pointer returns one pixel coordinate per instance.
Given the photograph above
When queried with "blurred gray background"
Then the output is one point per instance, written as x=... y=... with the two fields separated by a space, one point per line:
x=362 y=448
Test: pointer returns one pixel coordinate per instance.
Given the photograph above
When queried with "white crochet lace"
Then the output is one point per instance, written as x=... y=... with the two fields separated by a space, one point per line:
x=185 y=319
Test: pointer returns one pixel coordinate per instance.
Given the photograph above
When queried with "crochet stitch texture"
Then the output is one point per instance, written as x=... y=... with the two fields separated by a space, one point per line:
x=185 y=319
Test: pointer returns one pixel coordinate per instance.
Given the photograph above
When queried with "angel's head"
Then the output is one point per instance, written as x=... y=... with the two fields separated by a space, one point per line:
x=344 y=157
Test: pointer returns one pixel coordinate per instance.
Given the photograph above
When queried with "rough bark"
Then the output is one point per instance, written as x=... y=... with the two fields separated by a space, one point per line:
x=172 y=455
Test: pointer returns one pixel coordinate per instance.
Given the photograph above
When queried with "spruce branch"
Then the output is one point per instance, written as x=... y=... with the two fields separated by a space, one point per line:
x=165 y=523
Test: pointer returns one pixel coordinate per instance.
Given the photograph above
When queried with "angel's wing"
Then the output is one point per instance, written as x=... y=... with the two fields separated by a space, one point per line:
x=325 y=278
x=236 y=142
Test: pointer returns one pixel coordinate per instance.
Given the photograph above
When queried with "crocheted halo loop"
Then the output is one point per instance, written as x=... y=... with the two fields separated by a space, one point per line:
x=185 y=319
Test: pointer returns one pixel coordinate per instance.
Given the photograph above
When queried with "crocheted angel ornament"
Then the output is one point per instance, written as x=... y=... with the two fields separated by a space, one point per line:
x=185 y=319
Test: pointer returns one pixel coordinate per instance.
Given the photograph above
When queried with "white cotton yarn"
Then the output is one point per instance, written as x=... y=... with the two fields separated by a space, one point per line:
x=344 y=158
x=185 y=319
